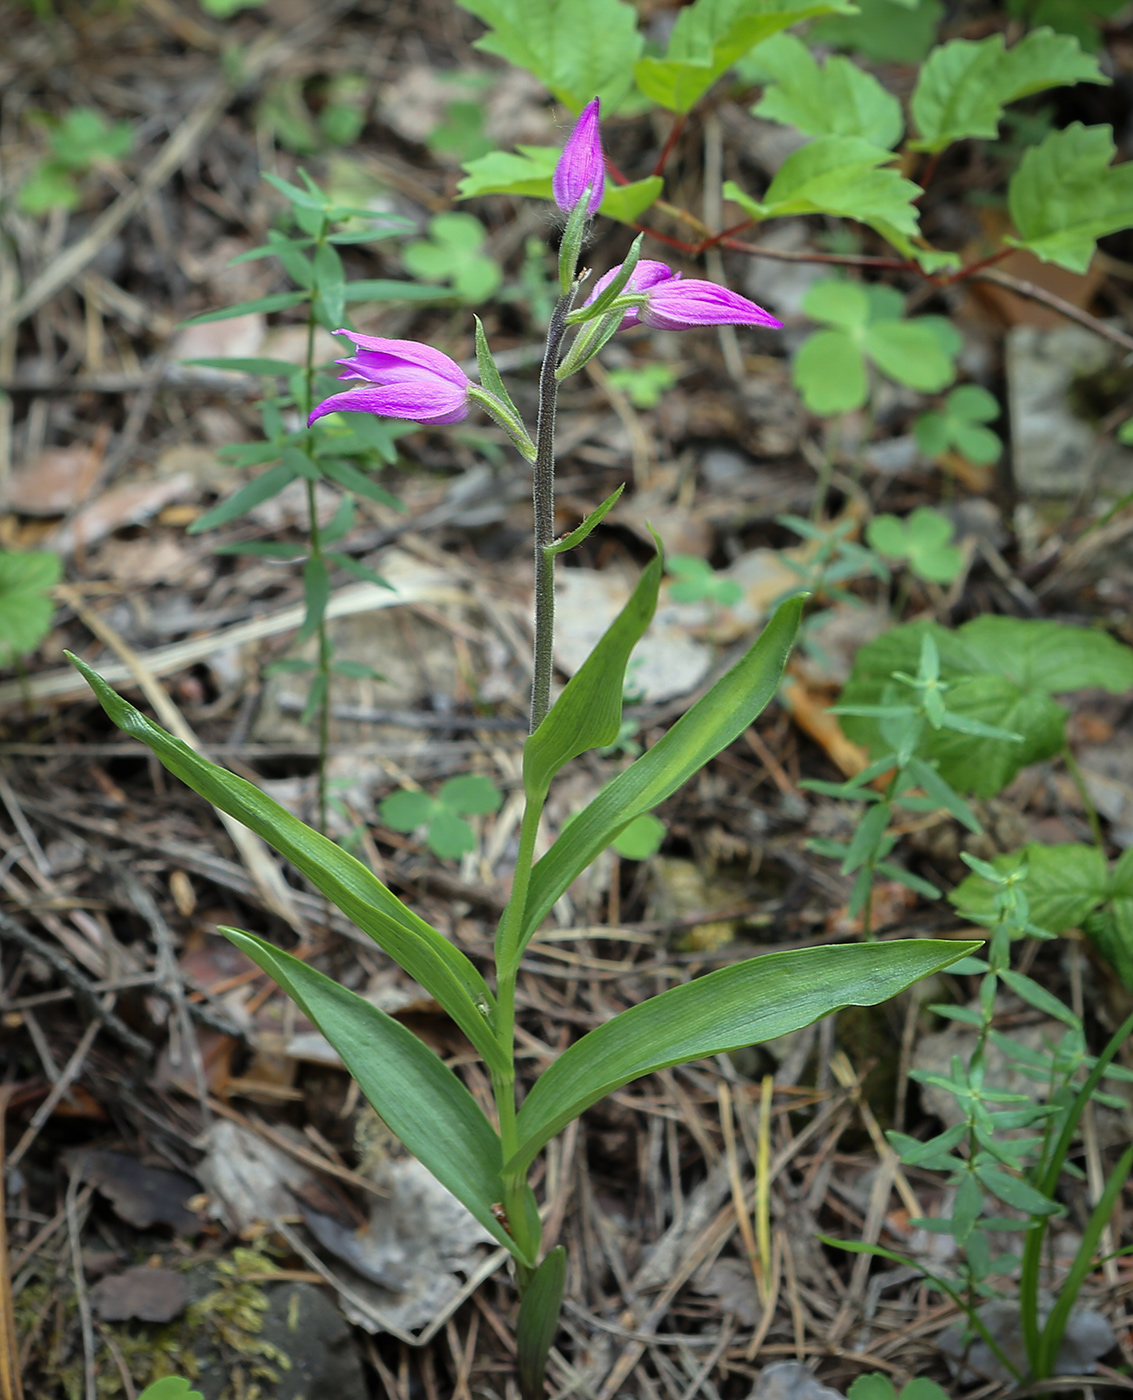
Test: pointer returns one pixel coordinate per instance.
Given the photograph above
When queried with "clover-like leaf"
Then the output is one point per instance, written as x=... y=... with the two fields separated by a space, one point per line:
x=696 y=580
x=452 y=253
x=641 y=839
x=472 y=794
x=959 y=424
x=924 y=540
x=1065 y=195
x=405 y=810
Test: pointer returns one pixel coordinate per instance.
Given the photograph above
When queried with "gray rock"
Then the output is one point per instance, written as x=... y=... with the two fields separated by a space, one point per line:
x=790 y=1380
x=1087 y=1339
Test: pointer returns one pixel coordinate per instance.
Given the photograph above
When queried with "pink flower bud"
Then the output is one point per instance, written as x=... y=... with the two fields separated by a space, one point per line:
x=581 y=166
x=406 y=380
x=680 y=306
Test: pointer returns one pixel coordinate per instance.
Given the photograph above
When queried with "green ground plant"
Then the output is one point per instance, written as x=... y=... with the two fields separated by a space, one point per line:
x=26 y=607
x=82 y=141
x=442 y=818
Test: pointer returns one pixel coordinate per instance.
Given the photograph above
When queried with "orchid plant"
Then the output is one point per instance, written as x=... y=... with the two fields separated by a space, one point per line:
x=485 y=1164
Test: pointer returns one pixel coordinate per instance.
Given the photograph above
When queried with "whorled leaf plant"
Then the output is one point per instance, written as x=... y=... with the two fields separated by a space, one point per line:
x=485 y=1164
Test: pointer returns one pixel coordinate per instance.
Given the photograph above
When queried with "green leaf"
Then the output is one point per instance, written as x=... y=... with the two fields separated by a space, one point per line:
x=406 y=810
x=526 y=171
x=49 y=186
x=172 y=1387
x=1110 y=929
x=838 y=175
x=244 y=364
x=627 y=203
x=829 y=372
x=641 y=839
x=872 y=1387
x=452 y=253
x=417 y=1097
x=580 y=532
x=924 y=539
x=888 y=31
x=346 y=475
x=1082 y=18
x=316 y=593
x=696 y=581
x=964 y=85
x=538 y=1322
x=1029 y=991
x=1063 y=885
x=426 y=955
x=750 y=1002
x=588 y=713
x=714 y=721
x=959 y=425
x=470 y=795
x=710 y=35
x=330 y=281
x=1015 y=1192
x=1001 y=671
x=26 y=607
x=449 y=836
x=280 y=301
x=911 y=353
x=1066 y=194
x=838 y=99
x=579 y=49
x=83 y=139
x=490 y=377
x=839 y=303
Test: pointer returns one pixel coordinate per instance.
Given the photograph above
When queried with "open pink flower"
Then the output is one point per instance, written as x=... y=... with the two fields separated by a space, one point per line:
x=645 y=276
x=405 y=380
x=581 y=166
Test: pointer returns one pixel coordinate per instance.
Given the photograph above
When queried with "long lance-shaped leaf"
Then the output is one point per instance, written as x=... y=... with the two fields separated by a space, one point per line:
x=538 y=1323
x=753 y=1001
x=428 y=957
x=712 y=723
x=417 y=1096
x=589 y=711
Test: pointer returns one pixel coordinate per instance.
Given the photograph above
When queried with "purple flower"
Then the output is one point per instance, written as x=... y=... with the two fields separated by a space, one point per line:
x=406 y=380
x=679 y=306
x=581 y=166
x=646 y=275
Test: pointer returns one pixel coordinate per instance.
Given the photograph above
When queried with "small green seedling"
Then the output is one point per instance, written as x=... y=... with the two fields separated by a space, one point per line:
x=26 y=608
x=170 y=1388
x=923 y=540
x=642 y=838
x=866 y=326
x=447 y=834
x=645 y=385
x=960 y=424
x=452 y=253
x=81 y=141
x=875 y=1386
x=697 y=581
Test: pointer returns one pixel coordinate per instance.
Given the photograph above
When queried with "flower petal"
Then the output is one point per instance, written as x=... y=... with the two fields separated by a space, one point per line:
x=382 y=355
x=419 y=402
x=648 y=273
x=676 y=307
x=581 y=166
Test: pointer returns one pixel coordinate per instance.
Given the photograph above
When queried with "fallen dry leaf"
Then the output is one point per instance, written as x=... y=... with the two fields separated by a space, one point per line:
x=149 y=1295
x=142 y=1196
x=56 y=481
x=121 y=505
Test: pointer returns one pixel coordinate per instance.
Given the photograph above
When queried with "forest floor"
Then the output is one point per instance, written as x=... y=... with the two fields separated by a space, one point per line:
x=193 y=1182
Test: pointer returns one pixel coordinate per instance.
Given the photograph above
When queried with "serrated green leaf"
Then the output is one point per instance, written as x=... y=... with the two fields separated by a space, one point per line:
x=888 y=31
x=280 y=301
x=709 y=726
x=406 y=810
x=1065 y=195
x=426 y=955
x=26 y=607
x=1001 y=671
x=829 y=372
x=838 y=99
x=964 y=85
x=627 y=203
x=710 y=35
x=417 y=1097
x=751 y=1002
x=470 y=795
x=588 y=713
x=838 y=175
x=579 y=49
x=525 y=171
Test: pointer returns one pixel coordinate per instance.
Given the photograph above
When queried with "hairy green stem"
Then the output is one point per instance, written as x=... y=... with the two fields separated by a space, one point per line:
x=543 y=496
x=314 y=536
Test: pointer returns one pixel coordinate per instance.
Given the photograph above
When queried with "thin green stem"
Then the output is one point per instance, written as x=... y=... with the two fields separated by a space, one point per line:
x=1079 y=780
x=315 y=539
x=543 y=496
